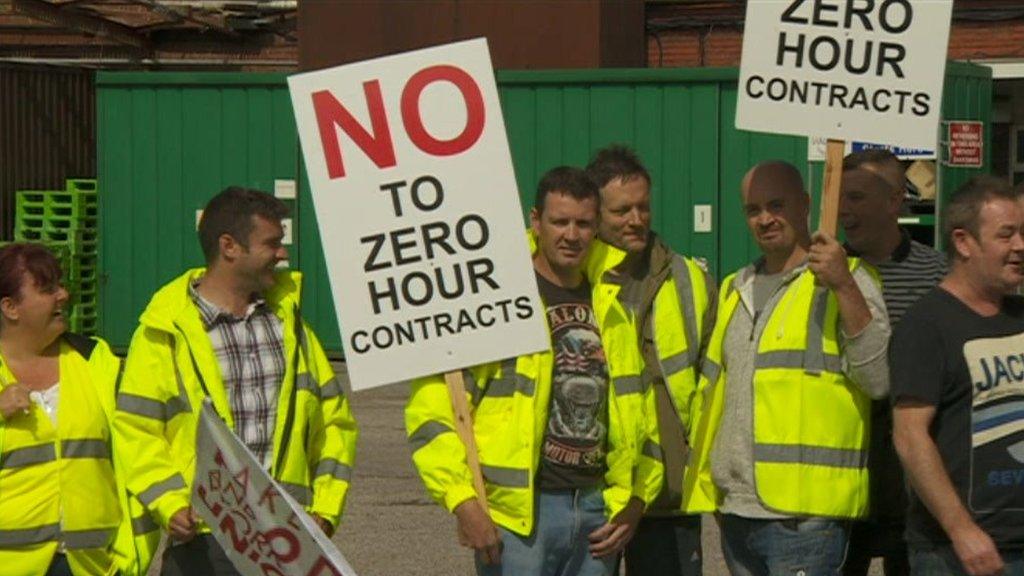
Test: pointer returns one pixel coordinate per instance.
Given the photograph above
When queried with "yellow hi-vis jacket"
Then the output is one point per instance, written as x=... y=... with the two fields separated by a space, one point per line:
x=509 y=401
x=811 y=422
x=171 y=368
x=57 y=484
x=679 y=311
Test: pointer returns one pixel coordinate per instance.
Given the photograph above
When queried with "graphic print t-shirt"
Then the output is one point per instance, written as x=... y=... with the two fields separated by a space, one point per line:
x=574 y=448
x=971 y=368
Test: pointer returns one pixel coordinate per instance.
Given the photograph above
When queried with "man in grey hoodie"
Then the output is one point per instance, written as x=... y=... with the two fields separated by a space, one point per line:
x=798 y=350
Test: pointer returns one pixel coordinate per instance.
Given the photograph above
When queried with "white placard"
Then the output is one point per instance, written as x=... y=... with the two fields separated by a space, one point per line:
x=867 y=70
x=260 y=527
x=419 y=214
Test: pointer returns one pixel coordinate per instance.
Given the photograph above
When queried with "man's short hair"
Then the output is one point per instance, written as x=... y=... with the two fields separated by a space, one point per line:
x=870 y=156
x=963 y=212
x=231 y=212
x=884 y=160
x=567 y=180
x=616 y=161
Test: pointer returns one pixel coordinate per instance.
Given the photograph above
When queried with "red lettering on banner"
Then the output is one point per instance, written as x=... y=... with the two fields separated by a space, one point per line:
x=215 y=508
x=270 y=570
x=228 y=526
x=267 y=498
x=474 y=101
x=331 y=114
x=322 y=566
x=289 y=538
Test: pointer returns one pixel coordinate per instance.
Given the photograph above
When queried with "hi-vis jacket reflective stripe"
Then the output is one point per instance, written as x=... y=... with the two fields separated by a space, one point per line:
x=510 y=401
x=171 y=367
x=57 y=483
x=679 y=310
x=811 y=423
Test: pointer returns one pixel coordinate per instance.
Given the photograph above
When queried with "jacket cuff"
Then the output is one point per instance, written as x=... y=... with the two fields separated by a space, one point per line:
x=166 y=506
x=457 y=495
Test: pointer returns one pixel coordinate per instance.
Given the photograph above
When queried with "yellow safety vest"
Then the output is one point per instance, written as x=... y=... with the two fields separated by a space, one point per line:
x=811 y=422
x=509 y=401
x=171 y=367
x=679 y=309
x=57 y=483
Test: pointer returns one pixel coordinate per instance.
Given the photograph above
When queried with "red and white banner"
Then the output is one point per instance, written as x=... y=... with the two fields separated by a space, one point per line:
x=261 y=528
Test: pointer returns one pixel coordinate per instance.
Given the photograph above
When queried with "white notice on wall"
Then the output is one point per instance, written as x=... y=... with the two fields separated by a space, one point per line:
x=419 y=213
x=850 y=70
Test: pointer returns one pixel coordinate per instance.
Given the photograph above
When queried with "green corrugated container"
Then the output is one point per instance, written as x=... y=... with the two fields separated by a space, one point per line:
x=169 y=141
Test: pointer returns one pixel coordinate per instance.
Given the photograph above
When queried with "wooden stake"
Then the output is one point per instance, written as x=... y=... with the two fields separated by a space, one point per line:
x=829 y=216
x=464 y=428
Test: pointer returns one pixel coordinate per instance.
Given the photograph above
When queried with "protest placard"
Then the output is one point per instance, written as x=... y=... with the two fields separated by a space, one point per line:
x=866 y=70
x=418 y=213
x=260 y=527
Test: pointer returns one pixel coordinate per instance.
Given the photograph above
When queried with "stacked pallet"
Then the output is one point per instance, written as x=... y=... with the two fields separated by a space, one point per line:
x=66 y=218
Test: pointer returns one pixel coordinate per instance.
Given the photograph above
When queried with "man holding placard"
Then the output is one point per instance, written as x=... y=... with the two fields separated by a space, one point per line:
x=568 y=463
x=673 y=299
x=783 y=407
x=232 y=333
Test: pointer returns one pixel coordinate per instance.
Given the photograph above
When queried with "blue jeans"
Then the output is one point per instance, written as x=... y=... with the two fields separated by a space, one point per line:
x=558 y=545
x=795 y=547
x=942 y=561
x=668 y=546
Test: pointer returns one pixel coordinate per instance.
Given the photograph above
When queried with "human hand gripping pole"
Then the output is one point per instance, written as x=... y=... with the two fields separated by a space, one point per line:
x=476 y=529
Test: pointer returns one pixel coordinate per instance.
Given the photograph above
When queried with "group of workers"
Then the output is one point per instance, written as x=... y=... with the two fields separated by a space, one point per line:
x=789 y=400
x=828 y=403
x=96 y=460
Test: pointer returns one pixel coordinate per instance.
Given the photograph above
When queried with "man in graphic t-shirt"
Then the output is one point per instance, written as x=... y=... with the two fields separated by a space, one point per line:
x=568 y=459
x=957 y=363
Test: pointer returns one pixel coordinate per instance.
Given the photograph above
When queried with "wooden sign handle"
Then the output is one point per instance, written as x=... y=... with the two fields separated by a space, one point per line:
x=464 y=428
x=829 y=216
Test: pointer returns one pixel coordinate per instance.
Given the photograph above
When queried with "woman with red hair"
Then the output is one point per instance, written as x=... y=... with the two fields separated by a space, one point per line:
x=62 y=507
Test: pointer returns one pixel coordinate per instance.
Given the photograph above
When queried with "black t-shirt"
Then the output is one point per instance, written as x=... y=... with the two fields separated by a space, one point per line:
x=574 y=448
x=971 y=368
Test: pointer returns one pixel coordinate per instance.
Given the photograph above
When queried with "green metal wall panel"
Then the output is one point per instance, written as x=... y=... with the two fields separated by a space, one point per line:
x=967 y=95
x=169 y=141
x=671 y=119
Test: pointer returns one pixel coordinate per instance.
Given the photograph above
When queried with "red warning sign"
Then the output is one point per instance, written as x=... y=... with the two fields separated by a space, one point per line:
x=965 y=144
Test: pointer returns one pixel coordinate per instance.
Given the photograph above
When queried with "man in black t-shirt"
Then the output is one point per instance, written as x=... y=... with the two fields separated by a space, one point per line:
x=568 y=459
x=957 y=363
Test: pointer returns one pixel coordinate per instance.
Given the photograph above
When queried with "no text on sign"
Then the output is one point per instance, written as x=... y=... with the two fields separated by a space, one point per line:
x=419 y=213
x=868 y=70
x=965 y=140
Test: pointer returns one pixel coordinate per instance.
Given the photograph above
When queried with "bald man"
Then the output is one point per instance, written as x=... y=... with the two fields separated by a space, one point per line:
x=869 y=209
x=797 y=353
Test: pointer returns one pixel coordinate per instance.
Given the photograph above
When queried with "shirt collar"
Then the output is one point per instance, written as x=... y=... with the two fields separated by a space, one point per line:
x=900 y=254
x=211 y=314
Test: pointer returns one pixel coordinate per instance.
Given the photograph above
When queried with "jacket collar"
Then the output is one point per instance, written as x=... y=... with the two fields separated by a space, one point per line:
x=172 y=302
